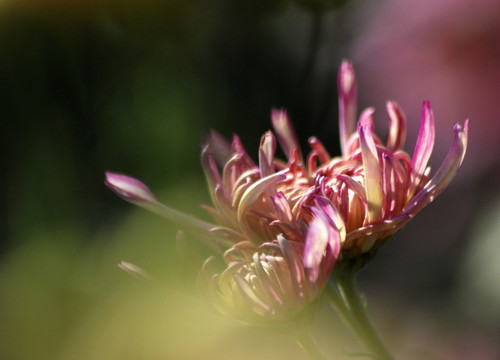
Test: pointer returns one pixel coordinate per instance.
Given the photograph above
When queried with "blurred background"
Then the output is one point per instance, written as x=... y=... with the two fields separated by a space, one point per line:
x=88 y=86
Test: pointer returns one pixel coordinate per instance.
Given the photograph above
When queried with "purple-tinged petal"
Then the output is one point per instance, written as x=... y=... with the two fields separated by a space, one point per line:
x=320 y=150
x=445 y=173
x=129 y=188
x=219 y=147
x=425 y=142
x=254 y=190
x=371 y=164
x=211 y=171
x=317 y=239
x=293 y=263
x=397 y=127
x=347 y=89
x=266 y=154
x=282 y=207
x=237 y=145
x=326 y=231
x=285 y=132
x=326 y=207
x=323 y=234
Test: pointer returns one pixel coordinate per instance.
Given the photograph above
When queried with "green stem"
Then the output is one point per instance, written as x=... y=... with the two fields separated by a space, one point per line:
x=344 y=297
x=308 y=344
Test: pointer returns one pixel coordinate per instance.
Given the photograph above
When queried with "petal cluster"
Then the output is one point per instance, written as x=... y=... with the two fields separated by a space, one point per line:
x=283 y=236
x=375 y=184
x=282 y=225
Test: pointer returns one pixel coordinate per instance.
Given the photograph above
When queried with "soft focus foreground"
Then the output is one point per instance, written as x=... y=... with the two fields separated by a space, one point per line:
x=108 y=85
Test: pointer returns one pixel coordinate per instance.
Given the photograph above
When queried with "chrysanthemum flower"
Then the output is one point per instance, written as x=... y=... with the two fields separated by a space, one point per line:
x=281 y=226
x=283 y=236
x=376 y=185
x=274 y=264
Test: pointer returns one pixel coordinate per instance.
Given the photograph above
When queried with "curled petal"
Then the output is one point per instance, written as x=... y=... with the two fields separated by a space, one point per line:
x=354 y=186
x=254 y=190
x=445 y=173
x=254 y=301
x=320 y=150
x=371 y=164
x=207 y=269
x=397 y=127
x=347 y=89
x=266 y=154
x=284 y=131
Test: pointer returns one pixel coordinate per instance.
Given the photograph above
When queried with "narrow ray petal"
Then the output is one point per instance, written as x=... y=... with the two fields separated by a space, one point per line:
x=293 y=263
x=397 y=127
x=445 y=173
x=425 y=141
x=323 y=155
x=219 y=147
x=371 y=164
x=255 y=190
x=253 y=299
x=266 y=154
x=347 y=89
x=285 y=132
x=282 y=207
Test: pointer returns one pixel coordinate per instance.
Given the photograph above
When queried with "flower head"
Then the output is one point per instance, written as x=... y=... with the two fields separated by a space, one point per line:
x=375 y=184
x=282 y=226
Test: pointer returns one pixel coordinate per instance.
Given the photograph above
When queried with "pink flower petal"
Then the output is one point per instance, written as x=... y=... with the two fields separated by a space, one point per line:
x=282 y=207
x=285 y=132
x=397 y=127
x=445 y=173
x=322 y=236
x=347 y=89
x=425 y=141
x=254 y=190
x=266 y=154
x=129 y=188
x=219 y=147
x=371 y=164
x=293 y=263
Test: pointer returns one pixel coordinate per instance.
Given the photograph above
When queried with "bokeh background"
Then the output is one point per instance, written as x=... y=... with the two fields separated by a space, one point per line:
x=88 y=86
